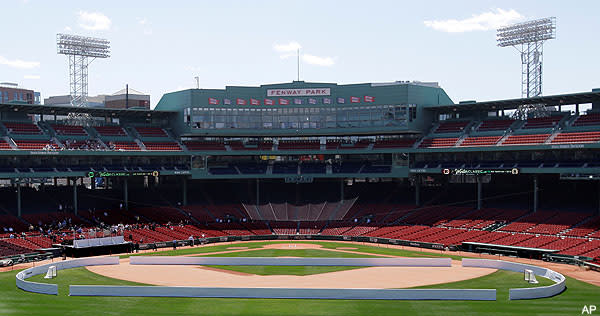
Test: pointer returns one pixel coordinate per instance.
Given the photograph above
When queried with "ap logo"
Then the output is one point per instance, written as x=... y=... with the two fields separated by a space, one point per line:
x=588 y=309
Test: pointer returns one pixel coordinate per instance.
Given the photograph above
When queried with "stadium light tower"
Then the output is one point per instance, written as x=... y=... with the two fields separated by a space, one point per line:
x=79 y=49
x=528 y=38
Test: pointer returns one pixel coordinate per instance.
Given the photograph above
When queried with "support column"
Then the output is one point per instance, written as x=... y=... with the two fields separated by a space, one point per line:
x=418 y=191
x=577 y=109
x=598 y=197
x=126 y=194
x=18 y=199
x=75 y=210
x=535 y=194
x=257 y=193
x=342 y=189
x=184 y=189
x=479 y=195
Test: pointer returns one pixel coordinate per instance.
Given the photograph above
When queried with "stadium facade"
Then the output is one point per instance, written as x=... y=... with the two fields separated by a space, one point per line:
x=306 y=152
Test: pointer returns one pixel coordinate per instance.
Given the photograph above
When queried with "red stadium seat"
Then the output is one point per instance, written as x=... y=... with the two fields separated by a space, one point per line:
x=480 y=141
x=438 y=142
x=525 y=139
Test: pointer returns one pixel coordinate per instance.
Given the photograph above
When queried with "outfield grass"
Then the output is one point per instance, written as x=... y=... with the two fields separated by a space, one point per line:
x=16 y=302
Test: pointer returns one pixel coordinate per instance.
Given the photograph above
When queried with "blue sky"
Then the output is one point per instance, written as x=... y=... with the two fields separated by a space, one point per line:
x=159 y=46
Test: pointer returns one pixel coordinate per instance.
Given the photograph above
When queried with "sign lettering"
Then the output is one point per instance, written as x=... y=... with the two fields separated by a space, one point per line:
x=298 y=92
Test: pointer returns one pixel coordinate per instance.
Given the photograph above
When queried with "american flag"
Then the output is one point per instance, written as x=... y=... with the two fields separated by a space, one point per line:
x=312 y=101
x=284 y=102
x=326 y=100
x=213 y=101
x=239 y=101
x=254 y=102
x=297 y=101
x=227 y=101
x=354 y=99
x=369 y=98
x=269 y=102
x=341 y=100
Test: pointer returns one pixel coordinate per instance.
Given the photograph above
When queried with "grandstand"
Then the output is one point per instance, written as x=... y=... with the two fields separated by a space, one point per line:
x=400 y=162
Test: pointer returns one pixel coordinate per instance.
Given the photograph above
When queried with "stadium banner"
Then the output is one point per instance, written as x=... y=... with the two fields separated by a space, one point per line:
x=239 y=101
x=213 y=101
x=298 y=92
x=107 y=174
x=254 y=102
x=417 y=244
x=369 y=99
x=95 y=242
x=269 y=102
x=354 y=100
x=284 y=102
x=467 y=171
x=227 y=101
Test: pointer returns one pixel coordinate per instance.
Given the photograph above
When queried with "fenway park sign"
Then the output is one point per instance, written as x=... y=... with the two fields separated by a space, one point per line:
x=298 y=92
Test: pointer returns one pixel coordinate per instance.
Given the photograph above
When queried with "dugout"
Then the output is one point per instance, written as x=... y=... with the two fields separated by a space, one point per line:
x=514 y=251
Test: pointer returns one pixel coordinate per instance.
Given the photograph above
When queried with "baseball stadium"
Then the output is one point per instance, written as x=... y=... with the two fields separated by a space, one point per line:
x=302 y=198
x=309 y=197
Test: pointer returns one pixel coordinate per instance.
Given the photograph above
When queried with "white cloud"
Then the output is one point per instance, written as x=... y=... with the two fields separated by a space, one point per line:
x=17 y=63
x=485 y=21
x=93 y=21
x=142 y=21
x=317 y=60
x=286 y=48
x=67 y=29
x=290 y=49
x=34 y=77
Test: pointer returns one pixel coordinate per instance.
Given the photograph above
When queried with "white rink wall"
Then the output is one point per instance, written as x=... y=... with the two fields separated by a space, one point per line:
x=523 y=293
x=45 y=288
x=267 y=261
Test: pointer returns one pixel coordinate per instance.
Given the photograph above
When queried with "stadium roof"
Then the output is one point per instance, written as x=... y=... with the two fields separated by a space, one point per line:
x=99 y=112
x=509 y=104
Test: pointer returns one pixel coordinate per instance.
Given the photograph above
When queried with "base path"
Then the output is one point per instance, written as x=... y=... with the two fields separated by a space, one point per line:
x=369 y=277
